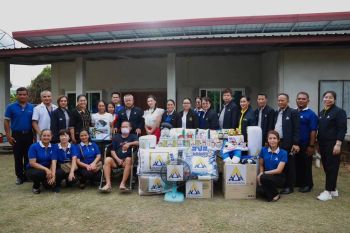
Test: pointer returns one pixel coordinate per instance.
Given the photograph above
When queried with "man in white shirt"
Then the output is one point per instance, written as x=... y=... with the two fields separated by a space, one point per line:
x=41 y=118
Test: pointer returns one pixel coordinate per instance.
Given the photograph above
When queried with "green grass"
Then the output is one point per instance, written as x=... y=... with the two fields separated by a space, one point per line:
x=75 y=210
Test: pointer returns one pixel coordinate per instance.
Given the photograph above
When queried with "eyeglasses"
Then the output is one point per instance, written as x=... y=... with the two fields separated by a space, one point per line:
x=186 y=103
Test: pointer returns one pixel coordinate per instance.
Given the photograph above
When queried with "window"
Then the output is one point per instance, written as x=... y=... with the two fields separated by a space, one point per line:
x=342 y=88
x=92 y=98
x=215 y=94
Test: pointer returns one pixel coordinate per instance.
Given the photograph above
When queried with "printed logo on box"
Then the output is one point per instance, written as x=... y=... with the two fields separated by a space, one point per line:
x=195 y=189
x=155 y=184
x=199 y=164
x=174 y=172
x=158 y=159
x=236 y=175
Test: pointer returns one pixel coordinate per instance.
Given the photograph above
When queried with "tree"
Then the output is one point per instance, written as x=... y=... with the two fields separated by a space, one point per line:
x=40 y=83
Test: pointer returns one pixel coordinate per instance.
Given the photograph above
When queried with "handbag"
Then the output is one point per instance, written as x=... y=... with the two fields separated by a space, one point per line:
x=98 y=164
x=66 y=167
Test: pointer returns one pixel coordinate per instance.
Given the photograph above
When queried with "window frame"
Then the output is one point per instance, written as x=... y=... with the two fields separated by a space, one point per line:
x=342 y=90
x=242 y=89
x=87 y=93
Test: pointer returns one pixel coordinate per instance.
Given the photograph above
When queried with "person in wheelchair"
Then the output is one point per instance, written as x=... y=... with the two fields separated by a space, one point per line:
x=120 y=156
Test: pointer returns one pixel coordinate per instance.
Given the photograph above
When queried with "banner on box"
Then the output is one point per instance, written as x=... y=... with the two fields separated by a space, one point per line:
x=158 y=159
x=194 y=189
x=236 y=174
x=155 y=184
x=200 y=164
x=175 y=172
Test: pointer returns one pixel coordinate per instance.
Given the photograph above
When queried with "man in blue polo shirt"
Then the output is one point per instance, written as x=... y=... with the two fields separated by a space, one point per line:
x=307 y=138
x=18 y=118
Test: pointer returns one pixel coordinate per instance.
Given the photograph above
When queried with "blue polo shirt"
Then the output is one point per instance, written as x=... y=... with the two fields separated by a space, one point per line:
x=118 y=108
x=64 y=155
x=20 y=118
x=271 y=160
x=43 y=155
x=90 y=152
x=308 y=123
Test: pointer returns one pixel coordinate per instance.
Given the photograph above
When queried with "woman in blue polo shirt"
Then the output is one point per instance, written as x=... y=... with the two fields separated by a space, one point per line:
x=42 y=164
x=271 y=164
x=89 y=157
x=66 y=154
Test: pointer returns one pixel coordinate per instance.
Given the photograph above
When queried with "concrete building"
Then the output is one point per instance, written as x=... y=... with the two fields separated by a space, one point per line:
x=187 y=58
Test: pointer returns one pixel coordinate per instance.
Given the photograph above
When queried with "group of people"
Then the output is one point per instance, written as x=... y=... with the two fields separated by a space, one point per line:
x=289 y=137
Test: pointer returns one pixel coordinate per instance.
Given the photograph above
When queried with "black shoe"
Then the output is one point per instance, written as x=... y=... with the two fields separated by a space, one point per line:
x=36 y=191
x=19 y=181
x=305 y=189
x=287 y=191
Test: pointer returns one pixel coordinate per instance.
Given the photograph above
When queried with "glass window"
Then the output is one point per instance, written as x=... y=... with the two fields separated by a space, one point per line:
x=71 y=101
x=215 y=94
x=92 y=98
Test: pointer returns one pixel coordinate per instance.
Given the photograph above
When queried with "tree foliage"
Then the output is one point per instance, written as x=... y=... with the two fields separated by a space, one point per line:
x=40 y=83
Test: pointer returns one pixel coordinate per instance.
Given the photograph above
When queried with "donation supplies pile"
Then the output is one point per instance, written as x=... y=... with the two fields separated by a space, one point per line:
x=200 y=149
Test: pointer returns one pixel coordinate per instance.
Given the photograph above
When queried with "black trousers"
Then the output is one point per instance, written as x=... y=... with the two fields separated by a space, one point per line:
x=330 y=165
x=289 y=171
x=20 y=151
x=303 y=169
x=39 y=176
x=86 y=175
x=270 y=183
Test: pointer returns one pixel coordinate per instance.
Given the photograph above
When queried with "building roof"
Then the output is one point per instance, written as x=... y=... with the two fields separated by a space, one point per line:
x=229 y=31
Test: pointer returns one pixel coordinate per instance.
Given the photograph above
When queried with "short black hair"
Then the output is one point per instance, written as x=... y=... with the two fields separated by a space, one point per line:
x=303 y=93
x=284 y=94
x=227 y=90
x=332 y=93
x=63 y=132
x=263 y=94
x=171 y=100
x=187 y=98
x=246 y=97
x=21 y=89
x=80 y=96
x=116 y=93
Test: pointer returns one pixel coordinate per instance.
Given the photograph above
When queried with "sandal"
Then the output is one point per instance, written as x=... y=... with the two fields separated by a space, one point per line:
x=105 y=189
x=276 y=198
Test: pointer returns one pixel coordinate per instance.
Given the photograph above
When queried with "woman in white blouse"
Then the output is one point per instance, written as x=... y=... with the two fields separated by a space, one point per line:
x=103 y=120
x=153 y=117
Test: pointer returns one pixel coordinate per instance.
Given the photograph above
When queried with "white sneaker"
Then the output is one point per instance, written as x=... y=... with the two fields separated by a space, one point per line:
x=335 y=193
x=325 y=196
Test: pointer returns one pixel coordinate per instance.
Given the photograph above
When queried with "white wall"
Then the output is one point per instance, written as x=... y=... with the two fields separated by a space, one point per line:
x=241 y=71
x=269 y=77
x=301 y=70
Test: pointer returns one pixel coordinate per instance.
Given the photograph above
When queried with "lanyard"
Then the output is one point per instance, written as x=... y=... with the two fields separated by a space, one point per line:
x=48 y=111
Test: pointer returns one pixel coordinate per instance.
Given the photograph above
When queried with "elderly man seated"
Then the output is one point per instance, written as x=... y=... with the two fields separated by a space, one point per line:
x=120 y=156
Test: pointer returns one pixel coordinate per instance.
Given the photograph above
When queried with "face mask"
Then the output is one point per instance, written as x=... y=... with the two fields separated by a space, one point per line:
x=125 y=130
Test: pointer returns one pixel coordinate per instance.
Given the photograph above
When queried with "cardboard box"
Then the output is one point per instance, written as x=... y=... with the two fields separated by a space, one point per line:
x=239 y=181
x=199 y=189
x=150 y=185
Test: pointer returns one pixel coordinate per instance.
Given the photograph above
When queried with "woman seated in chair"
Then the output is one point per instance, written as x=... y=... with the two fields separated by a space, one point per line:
x=271 y=164
x=88 y=160
x=120 y=156
x=66 y=156
x=42 y=164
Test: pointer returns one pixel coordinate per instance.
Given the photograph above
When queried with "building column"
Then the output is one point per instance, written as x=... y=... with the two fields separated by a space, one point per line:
x=171 y=76
x=80 y=76
x=4 y=91
x=55 y=82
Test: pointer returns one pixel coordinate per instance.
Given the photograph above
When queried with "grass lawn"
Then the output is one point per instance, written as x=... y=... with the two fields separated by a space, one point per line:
x=75 y=210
